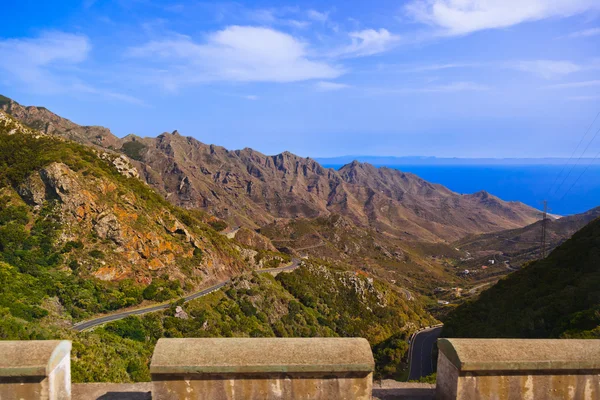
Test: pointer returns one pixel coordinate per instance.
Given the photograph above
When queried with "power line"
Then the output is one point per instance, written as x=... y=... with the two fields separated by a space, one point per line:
x=577 y=162
x=573 y=155
x=544 y=229
x=580 y=175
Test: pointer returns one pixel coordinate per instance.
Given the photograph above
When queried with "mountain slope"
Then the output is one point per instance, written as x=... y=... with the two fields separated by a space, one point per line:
x=76 y=215
x=555 y=297
x=251 y=189
x=523 y=244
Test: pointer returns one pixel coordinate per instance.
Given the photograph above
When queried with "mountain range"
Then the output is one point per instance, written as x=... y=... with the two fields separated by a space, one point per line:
x=247 y=188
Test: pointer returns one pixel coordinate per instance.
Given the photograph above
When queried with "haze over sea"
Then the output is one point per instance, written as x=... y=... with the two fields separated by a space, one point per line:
x=529 y=184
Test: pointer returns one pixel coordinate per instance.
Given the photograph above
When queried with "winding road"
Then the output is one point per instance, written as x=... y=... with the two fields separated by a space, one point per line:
x=421 y=353
x=84 y=325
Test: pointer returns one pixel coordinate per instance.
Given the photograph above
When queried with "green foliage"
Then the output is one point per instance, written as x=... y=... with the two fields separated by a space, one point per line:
x=134 y=149
x=162 y=290
x=218 y=225
x=427 y=379
x=305 y=303
x=96 y=254
x=555 y=297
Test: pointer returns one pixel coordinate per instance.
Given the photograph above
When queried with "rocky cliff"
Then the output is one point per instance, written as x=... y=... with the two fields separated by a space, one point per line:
x=108 y=224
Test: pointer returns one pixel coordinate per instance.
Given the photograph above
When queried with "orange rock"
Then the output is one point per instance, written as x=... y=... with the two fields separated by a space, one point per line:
x=155 y=264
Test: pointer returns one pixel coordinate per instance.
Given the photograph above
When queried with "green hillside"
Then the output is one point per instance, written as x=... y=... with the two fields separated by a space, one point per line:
x=312 y=301
x=551 y=298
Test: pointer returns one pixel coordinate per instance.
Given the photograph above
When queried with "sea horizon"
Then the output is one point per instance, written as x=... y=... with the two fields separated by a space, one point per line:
x=529 y=184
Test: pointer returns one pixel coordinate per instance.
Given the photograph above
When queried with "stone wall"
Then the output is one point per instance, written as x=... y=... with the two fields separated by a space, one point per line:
x=36 y=369
x=315 y=368
x=518 y=369
x=262 y=368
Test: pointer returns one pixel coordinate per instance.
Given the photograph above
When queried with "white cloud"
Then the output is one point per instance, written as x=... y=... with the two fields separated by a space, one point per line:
x=31 y=60
x=458 y=17
x=547 y=69
x=572 y=85
x=48 y=64
x=585 y=33
x=368 y=42
x=236 y=53
x=317 y=16
x=276 y=16
x=251 y=97
x=324 y=86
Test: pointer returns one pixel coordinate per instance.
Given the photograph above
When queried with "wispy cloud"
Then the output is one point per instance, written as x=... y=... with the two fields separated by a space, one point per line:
x=571 y=85
x=48 y=64
x=108 y=94
x=288 y=17
x=459 y=17
x=368 y=42
x=317 y=16
x=430 y=67
x=251 y=97
x=547 y=69
x=236 y=53
x=324 y=86
x=33 y=60
x=585 y=33
x=451 y=87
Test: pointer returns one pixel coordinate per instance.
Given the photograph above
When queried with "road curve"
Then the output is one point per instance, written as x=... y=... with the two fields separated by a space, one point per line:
x=421 y=353
x=82 y=326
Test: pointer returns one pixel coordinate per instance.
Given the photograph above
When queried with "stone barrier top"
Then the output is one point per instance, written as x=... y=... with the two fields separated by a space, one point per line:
x=521 y=354
x=261 y=355
x=31 y=357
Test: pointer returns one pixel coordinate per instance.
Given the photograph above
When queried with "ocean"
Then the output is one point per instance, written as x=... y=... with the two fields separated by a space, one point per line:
x=530 y=184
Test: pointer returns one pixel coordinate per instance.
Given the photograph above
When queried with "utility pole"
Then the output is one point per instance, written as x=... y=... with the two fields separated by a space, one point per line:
x=543 y=249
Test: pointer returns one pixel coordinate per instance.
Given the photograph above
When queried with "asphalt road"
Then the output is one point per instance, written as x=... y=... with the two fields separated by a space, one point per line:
x=421 y=353
x=82 y=326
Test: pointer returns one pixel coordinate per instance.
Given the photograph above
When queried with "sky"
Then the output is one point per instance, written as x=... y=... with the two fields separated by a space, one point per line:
x=446 y=78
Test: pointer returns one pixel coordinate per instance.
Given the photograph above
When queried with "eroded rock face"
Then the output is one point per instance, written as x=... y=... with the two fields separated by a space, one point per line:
x=33 y=190
x=107 y=226
x=123 y=165
x=130 y=240
x=248 y=237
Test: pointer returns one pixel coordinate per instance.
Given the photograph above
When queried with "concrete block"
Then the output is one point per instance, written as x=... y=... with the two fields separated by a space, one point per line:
x=35 y=369
x=262 y=368
x=518 y=369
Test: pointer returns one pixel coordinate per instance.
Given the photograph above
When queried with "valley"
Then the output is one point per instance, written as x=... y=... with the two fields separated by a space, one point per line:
x=116 y=242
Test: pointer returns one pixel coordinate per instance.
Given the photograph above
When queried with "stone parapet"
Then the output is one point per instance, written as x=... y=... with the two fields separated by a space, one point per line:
x=262 y=368
x=518 y=369
x=35 y=369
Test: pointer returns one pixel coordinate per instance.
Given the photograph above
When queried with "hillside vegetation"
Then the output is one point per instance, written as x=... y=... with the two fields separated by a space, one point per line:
x=312 y=301
x=555 y=297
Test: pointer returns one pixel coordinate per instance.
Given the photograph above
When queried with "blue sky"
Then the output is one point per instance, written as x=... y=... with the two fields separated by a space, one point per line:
x=464 y=78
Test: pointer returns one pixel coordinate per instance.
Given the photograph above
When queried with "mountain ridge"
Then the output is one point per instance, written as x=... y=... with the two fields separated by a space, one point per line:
x=248 y=188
